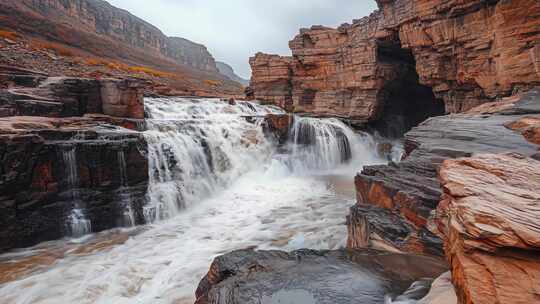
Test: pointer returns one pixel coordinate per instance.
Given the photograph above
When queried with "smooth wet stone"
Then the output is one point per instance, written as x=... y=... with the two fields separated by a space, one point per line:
x=316 y=277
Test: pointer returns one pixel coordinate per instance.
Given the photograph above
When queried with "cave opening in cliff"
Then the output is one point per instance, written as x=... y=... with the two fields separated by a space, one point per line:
x=404 y=102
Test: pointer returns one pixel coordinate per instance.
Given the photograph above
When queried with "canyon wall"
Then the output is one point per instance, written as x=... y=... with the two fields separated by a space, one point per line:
x=465 y=189
x=91 y=39
x=441 y=56
x=98 y=17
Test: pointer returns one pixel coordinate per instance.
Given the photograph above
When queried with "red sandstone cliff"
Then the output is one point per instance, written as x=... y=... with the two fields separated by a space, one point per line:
x=467 y=52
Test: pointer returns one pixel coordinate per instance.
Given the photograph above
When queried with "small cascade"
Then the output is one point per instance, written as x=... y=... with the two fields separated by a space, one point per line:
x=79 y=225
x=125 y=195
x=321 y=144
x=196 y=148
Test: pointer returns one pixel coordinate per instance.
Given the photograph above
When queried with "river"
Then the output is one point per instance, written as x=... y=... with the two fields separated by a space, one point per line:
x=217 y=184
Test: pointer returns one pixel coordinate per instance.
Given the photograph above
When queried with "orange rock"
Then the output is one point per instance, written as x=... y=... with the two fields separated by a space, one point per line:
x=271 y=79
x=529 y=127
x=489 y=218
x=467 y=52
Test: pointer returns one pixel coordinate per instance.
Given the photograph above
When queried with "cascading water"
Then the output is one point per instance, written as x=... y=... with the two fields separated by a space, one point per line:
x=79 y=225
x=319 y=144
x=196 y=148
x=125 y=194
x=240 y=190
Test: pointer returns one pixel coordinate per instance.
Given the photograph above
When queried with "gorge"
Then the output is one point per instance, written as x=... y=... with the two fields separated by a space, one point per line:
x=392 y=160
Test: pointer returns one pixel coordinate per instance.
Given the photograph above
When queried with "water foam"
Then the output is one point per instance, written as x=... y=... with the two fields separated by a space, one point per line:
x=216 y=184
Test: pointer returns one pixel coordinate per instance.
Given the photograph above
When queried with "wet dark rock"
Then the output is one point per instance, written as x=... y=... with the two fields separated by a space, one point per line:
x=279 y=126
x=307 y=276
x=410 y=189
x=36 y=197
x=379 y=228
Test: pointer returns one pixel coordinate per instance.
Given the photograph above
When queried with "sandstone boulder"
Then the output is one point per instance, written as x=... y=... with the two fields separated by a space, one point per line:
x=529 y=127
x=410 y=190
x=489 y=218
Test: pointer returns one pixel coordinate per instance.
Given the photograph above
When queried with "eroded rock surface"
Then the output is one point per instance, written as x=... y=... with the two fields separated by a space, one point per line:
x=37 y=95
x=306 y=276
x=36 y=193
x=411 y=190
x=271 y=80
x=466 y=52
x=489 y=216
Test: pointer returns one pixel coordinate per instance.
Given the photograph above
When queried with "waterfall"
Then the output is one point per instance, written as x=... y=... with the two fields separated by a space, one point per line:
x=125 y=195
x=321 y=144
x=79 y=225
x=197 y=147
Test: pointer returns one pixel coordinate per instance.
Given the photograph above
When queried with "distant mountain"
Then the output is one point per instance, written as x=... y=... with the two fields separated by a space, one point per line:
x=103 y=31
x=228 y=71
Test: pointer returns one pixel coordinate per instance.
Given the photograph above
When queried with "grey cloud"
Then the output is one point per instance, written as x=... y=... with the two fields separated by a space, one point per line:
x=234 y=30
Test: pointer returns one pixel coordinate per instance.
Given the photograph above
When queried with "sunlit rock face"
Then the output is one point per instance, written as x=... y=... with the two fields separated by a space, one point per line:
x=310 y=277
x=489 y=218
x=448 y=56
x=271 y=80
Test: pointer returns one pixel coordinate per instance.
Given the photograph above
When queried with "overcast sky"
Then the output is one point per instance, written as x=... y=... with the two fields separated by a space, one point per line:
x=234 y=30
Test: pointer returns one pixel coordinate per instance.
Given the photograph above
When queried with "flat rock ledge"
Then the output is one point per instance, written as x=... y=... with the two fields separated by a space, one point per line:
x=306 y=276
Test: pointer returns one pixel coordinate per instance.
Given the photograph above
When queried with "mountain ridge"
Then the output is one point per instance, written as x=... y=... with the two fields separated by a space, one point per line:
x=97 y=29
x=228 y=71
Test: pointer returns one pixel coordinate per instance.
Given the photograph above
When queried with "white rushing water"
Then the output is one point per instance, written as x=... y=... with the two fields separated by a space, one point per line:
x=78 y=224
x=125 y=194
x=216 y=185
x=196 y=148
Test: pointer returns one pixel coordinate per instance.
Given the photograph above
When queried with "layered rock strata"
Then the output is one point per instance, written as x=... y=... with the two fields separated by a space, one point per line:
x=45 y=162
x=91 y=38
x=396 y=201
x=105 y=23
x=489 y=218
x=433 y=56
x=33 y=94
x=67 y=144
x=307 y=276
x=271 y=80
